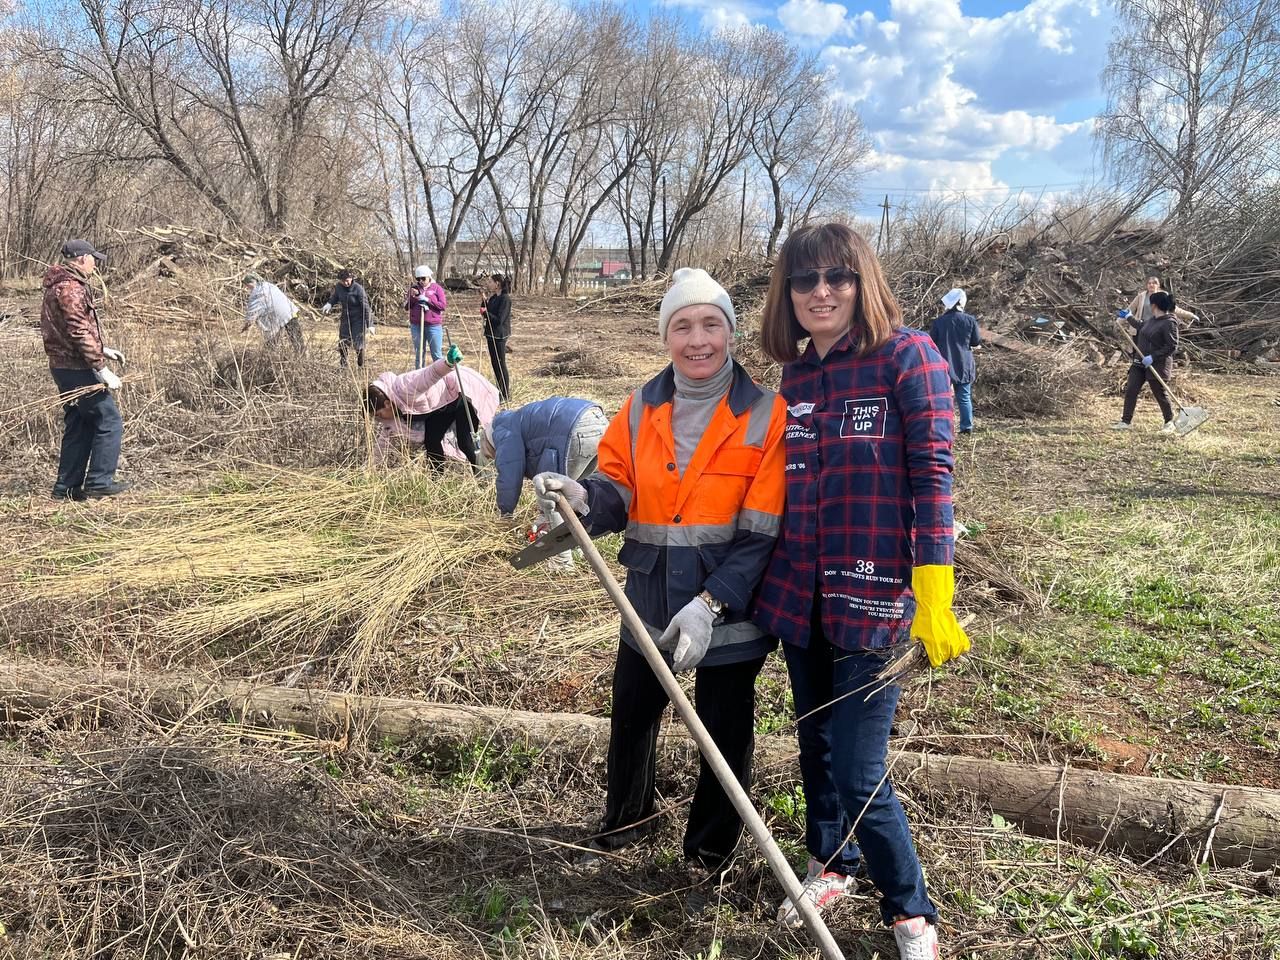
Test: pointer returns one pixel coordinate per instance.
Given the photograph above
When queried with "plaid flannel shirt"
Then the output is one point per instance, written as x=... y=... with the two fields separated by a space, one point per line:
x=868 y=451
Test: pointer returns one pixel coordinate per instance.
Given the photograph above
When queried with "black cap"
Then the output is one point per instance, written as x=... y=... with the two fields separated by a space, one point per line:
x=345 y=274
x=78 y=248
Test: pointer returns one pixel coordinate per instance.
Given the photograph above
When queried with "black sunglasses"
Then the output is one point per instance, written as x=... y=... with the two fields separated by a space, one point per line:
x=836 y=278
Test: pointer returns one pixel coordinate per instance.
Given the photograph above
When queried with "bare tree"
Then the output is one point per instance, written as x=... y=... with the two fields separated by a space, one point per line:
x=811 y=150
x=460 y=107
x=223 y=91
x=1193 y=90
x=734 y=79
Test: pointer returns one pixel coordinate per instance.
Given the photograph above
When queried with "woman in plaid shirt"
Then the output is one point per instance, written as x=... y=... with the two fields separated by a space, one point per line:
x=864 y=560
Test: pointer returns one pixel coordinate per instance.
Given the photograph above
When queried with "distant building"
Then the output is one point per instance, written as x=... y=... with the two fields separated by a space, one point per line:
x=615 y=270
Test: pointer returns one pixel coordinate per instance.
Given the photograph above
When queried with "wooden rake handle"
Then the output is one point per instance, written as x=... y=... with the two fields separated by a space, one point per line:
x=1154 y=372
x=741 y=802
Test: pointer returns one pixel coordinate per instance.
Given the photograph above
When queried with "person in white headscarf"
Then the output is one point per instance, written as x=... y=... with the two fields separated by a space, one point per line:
x=956 y=335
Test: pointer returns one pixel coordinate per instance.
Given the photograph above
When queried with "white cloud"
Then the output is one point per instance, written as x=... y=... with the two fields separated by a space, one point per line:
x=946 y=95
x=813 y=19
x=718 y=15
x=719 y=18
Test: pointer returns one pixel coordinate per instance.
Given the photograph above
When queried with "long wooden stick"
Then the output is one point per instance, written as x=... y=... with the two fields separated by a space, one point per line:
x=710 y=752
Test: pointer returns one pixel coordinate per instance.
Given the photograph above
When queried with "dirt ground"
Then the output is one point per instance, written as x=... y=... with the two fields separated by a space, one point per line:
x=1145 y=639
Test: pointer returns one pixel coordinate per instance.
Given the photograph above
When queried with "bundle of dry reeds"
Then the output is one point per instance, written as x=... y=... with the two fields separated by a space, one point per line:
x=297 y=565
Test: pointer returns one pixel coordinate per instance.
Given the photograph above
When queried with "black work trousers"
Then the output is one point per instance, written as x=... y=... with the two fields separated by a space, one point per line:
x=461 y=416
x=498 y=359
x=1138 y=375
x=725 y=698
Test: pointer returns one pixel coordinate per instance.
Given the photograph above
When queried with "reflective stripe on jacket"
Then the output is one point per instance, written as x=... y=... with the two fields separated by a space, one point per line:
x=712 y=528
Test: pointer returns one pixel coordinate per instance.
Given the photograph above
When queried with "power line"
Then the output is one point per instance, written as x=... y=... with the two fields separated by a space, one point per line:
x=1025 y=186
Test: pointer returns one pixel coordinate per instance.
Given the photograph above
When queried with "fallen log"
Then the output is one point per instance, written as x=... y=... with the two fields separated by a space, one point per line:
x=1147 y=817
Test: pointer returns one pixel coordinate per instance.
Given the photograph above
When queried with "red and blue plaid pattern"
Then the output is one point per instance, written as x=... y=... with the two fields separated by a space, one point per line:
x=868 y=467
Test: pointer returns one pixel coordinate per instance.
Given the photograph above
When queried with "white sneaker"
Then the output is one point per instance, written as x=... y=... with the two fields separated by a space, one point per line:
x=917 y=939
x=1169 y=428
x=821 y=889
x=1121 y=425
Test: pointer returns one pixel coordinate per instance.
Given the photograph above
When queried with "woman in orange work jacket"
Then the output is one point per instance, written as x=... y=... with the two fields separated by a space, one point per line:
x=691 y=468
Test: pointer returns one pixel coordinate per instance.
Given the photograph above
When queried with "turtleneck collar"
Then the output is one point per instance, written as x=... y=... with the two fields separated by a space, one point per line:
x=716 y=385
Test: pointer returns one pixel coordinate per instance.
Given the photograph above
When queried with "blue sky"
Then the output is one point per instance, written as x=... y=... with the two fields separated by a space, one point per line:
x=972 y=96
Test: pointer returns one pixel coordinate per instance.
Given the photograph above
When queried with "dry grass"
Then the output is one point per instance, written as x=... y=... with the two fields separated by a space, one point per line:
x=201 y=839
x=289 y=566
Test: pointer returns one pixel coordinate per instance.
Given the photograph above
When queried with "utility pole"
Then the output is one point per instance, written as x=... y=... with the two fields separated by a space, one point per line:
x=664 y=211
x=742 y=217
x=883 y=235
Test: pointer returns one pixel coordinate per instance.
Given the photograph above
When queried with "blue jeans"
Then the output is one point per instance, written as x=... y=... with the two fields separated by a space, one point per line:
x=843 y=748
x=435 y=342
x=91 y=434
x=964 y=405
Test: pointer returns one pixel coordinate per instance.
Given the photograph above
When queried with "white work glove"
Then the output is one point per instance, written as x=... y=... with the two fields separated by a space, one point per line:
x=547 y=485
x=326 y=308
x=112 y=354
x=372 y=330
x=110 y=379
x=689 y=632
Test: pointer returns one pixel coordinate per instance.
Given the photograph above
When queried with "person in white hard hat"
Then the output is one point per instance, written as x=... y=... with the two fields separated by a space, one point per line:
x=425 y=301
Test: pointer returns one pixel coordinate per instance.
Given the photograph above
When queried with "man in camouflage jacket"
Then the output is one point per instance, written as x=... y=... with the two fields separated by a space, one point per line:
x=78 y=362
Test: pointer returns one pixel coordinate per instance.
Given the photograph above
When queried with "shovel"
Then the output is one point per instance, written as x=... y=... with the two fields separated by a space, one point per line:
x=1188 y=418
x=554 y=542
x=466 y=404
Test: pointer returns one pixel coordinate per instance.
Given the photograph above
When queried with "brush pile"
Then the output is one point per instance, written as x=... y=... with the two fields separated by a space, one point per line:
x=193 y=277
x=1032 y=384
x=579 y=361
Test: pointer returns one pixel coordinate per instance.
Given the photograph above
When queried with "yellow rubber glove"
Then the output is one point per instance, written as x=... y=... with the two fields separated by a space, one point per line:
x=935 y=624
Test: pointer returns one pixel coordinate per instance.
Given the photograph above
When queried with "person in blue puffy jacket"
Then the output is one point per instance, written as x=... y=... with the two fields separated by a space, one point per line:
x=557 y=435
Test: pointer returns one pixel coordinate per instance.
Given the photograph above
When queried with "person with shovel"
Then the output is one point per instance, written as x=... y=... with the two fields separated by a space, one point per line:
x=425 y=301
x=1156 y=340
x=72 y=335
x=691 y=468
x=863 y=564
x=425 y=406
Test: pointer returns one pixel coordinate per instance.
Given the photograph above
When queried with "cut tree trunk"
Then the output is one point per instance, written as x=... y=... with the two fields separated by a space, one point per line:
x=1139 y=815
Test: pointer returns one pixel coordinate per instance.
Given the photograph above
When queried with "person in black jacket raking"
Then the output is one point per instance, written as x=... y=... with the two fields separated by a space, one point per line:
x=1157 y=342
x=497 y=328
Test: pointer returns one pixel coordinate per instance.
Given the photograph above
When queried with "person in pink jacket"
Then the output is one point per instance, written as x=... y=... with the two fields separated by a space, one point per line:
x=425 y=302
x=423 y=406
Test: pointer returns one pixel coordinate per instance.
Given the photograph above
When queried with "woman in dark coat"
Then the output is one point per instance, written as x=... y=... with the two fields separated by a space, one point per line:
x=354 y=318
x=497 y=328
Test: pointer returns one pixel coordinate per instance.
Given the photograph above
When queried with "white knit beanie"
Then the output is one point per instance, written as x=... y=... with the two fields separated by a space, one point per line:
x=422 y=272
x=953 y=297
x=690 y=285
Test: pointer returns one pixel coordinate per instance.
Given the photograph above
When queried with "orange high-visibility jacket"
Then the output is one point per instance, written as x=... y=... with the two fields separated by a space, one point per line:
x=711 y=528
